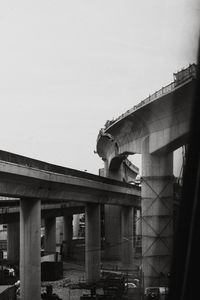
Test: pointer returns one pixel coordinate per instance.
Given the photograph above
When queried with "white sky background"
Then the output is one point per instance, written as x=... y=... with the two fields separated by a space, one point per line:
x=68 y=66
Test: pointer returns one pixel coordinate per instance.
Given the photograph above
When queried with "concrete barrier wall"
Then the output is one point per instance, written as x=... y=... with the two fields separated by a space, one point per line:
x=8 y=294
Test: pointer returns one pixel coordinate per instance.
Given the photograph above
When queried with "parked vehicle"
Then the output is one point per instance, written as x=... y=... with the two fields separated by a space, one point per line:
x=156 y=293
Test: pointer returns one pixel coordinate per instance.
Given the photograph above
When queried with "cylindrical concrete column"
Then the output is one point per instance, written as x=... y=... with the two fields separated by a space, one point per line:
x=127 y=238
x=92 y=242
x=67 y=235
x=30 y=261
x=50 y=235
x=59 y=230
x=112 y=222
x=13 y=242
x=157 y=215
x=76 y=222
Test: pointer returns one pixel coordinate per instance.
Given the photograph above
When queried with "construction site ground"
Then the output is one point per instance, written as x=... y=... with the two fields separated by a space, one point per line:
x=73 y=273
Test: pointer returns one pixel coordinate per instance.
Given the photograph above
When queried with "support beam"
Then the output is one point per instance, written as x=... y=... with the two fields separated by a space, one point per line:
x=30 y=265
x=67 y=235
x=127 y=238
x=157 y=216
x=50 y=235
x=92 y=242
x=13 y=242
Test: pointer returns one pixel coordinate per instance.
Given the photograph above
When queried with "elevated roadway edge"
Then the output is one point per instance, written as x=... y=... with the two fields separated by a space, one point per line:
x=24 y=181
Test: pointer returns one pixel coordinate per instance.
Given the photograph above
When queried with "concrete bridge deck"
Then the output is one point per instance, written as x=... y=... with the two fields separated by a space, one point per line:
x=23 y=177
x=165 y=120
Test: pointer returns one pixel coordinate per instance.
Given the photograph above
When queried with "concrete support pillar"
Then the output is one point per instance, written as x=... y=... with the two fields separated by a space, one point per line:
x=50 y=235
x=127 y=238
x=112 y=215
x=76 y=222
x=59 y=230
x=157 y=215
x=138 y=223
x=13 y=242
x=30 y=261
x=112 y=221
x=92 y=242
x=67 y=235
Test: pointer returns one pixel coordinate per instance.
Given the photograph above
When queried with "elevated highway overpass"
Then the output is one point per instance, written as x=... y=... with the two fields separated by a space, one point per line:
x=164 y=117
x=22 y=177
x=42 y=187
x=154 y=128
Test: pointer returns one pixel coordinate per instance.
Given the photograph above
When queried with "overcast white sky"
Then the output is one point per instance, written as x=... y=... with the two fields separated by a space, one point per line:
x=68 y=66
